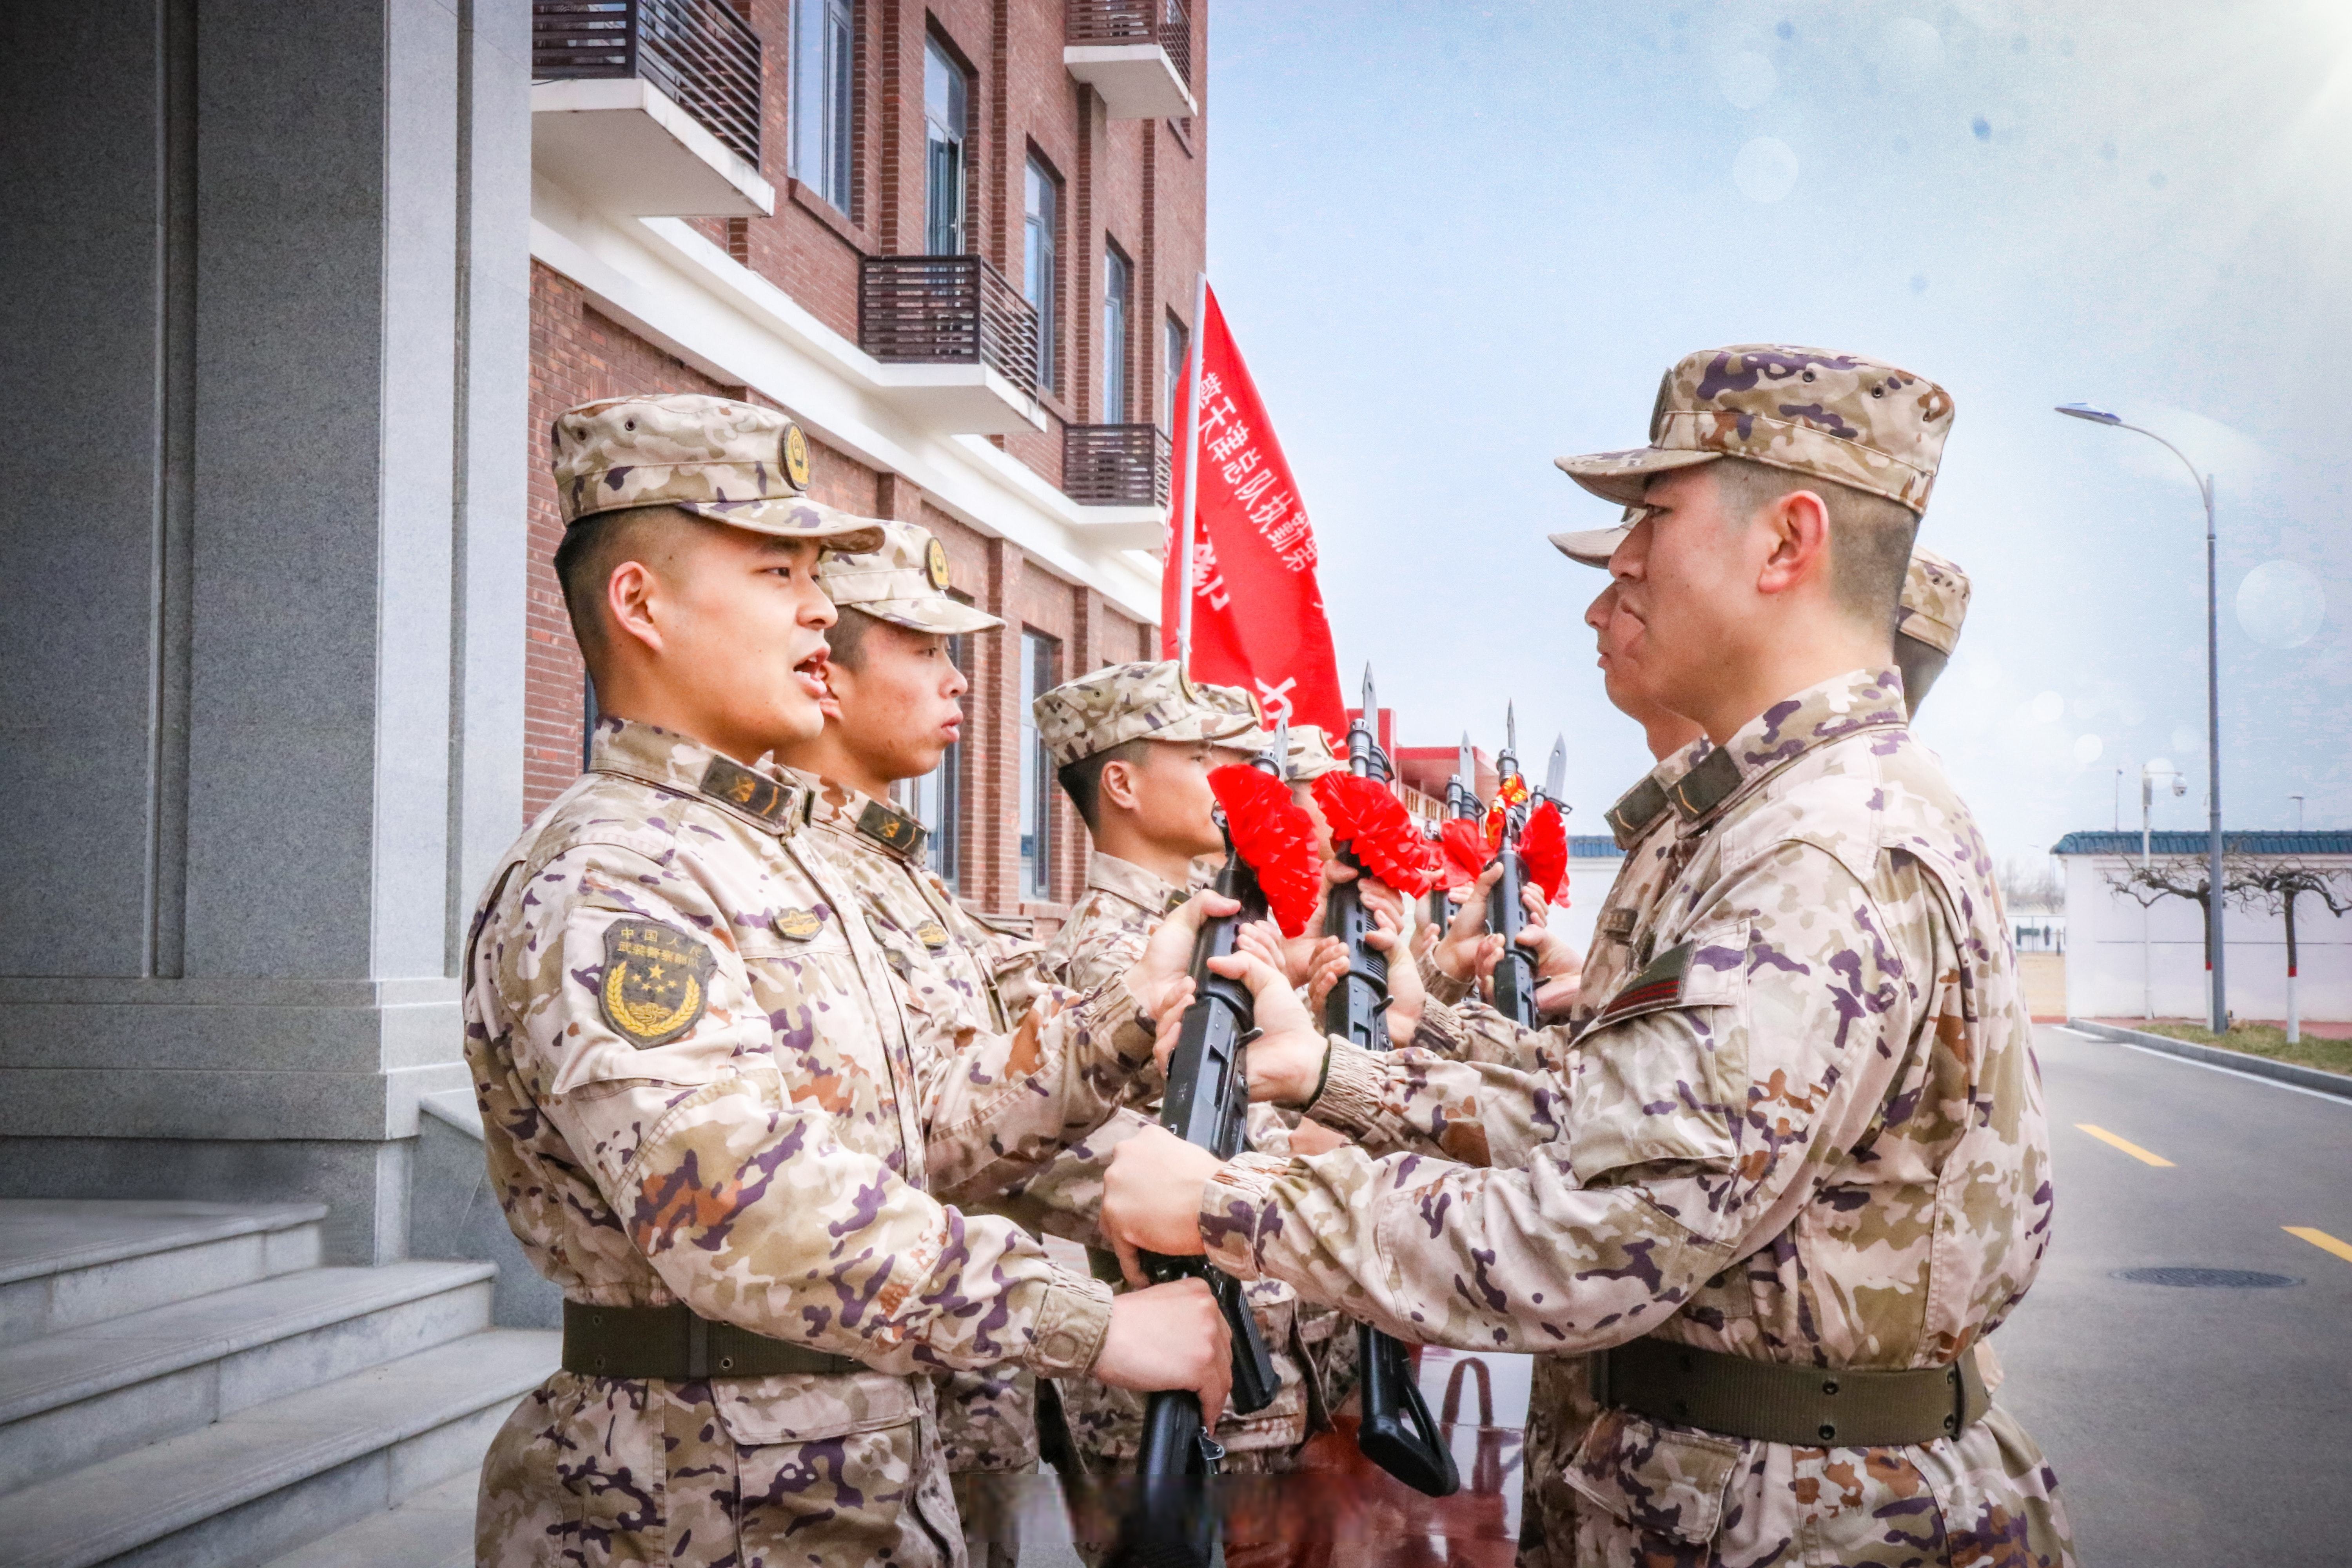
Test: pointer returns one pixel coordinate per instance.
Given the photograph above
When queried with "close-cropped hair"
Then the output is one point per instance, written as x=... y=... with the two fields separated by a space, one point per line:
x=1082 y=780
x=592 y=549
x=1870 y=536
x=845 y=640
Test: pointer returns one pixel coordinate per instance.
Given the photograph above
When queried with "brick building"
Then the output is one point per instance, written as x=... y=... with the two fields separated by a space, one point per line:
x=958 y=245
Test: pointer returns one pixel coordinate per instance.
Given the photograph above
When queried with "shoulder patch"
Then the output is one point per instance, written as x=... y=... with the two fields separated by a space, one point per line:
x=797 y=925
x=893 y=830
x=1656 y=988
x=657 y=981
x=931 y=934
x=739 y=786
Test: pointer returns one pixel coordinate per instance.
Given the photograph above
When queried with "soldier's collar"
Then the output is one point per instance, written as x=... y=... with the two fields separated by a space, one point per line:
x=670 y=761
x=1849 y=704
x=1127 y=880
x=1639 y=808
x=836 y=806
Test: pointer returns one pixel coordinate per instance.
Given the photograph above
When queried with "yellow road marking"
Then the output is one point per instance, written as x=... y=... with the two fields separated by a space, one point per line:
x=2320 y=1240
x=2126 y=1145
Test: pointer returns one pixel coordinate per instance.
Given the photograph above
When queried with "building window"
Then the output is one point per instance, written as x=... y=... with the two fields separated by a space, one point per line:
x=823 y=63
x=936 y=799
x=1118 y=283
x=1180 y=347
x=1042 y=222
x=1040 y=659
x=945 y=101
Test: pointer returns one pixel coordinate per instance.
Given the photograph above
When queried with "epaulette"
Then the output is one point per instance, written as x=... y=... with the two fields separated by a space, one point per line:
x=1707 y=785
x=775 y=804
x=893 y=830
x=1635 y=810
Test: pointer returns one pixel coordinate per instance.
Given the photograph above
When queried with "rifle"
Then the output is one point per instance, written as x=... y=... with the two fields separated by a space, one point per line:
x=1396 y=1432
x=1514 y=972
x=1208 y=1104
x=1461 y=802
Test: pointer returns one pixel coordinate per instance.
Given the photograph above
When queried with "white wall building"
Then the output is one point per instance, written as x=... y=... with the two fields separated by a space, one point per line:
x=2124 y=962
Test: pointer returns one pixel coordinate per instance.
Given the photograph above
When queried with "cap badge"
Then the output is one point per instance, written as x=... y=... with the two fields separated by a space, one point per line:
x=797 y=925
x=796 y=457
x=1184 y=687
x=934 y=562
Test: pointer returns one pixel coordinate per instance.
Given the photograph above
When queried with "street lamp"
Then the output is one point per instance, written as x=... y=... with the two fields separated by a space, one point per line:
x=2218 y=1020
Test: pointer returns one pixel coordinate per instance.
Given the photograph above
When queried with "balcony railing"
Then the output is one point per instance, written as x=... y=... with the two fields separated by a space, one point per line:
x=698 y=52
x=1161 y=22
x=1115 y=465
x=946 y=309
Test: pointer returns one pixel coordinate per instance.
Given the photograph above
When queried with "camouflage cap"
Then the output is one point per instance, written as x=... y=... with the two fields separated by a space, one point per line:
x=1840 y=417
x=1310 y=754
x=1258 y=736
x=1594 y=546
x=732 y=462
x=1934 y=602
x=905 y=582
x=1130 y=702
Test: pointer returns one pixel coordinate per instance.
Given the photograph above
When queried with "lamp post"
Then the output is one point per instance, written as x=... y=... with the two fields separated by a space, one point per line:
x=2218 y=1008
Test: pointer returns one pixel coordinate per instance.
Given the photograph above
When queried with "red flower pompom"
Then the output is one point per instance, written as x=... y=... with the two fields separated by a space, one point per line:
x=1543 y=845
x=1464 y=843
x=1275 y=838
x=1378 y=830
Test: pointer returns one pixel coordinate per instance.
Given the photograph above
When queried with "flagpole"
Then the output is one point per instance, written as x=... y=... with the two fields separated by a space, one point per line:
x=1192 y=475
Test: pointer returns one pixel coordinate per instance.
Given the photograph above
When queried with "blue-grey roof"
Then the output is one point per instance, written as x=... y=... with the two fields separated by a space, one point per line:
x=1593 y=847
x=2254 y=841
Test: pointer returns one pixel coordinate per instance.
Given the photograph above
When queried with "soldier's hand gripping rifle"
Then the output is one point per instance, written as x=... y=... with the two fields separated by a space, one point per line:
x=1270 y=858
x=1373 y=834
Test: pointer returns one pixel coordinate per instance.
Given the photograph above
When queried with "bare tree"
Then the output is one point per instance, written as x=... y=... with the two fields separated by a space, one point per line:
x=2177 y=877
x=2272 y=887
x=2032 y=887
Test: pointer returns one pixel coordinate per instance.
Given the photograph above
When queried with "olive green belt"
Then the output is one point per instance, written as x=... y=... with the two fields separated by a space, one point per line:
x=1775 y=1402
x=673 y=1344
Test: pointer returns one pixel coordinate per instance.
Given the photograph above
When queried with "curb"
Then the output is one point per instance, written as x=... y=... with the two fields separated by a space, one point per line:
x=2313 y=1079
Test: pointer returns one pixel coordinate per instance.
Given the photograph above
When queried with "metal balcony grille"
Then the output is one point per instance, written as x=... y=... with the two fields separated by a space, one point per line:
x=946 y=309
x=700 y=52
x=1161 y=22
x=1115 y=465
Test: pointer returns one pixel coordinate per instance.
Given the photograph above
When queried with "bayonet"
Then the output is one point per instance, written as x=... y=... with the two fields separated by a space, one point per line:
x=1556 y=774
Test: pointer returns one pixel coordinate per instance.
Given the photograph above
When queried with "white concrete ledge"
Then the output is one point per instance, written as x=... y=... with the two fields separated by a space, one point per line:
x=1137 y=81
x=623 y=144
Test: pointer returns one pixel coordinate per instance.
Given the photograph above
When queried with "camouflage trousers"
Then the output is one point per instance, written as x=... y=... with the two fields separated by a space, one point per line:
x=814 y=1472
x=1561 y=1409
x=1666 y=1497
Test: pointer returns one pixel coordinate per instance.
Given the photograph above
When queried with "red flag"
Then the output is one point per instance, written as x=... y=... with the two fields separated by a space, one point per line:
x=1257 y=612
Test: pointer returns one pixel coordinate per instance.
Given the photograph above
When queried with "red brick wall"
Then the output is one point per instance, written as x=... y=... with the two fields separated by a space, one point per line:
x=1139 y=183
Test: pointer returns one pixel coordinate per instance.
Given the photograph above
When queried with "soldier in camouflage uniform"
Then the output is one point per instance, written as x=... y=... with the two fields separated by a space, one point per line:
x=1800 y=1169
x=1560 y=1406
x=1156 y=807
x=703 y=1119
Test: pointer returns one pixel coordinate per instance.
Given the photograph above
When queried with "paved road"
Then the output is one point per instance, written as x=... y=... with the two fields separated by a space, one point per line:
x=2192 y=1425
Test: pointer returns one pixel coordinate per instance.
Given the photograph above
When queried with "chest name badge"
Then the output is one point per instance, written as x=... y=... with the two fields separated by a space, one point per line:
x=931 y=934
x=657 y=981
x=893 y=830
x=797 y=925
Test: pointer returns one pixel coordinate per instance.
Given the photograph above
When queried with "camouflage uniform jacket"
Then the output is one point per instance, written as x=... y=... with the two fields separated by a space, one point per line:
x=1810 y=1130
x=697 y=1085
x=1108 y=926
x=955 y=974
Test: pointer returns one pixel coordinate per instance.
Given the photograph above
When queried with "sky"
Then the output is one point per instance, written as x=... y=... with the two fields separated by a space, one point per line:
x=1455 y=241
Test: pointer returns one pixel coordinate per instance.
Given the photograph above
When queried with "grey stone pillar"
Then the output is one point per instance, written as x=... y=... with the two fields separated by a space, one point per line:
x=264 y=277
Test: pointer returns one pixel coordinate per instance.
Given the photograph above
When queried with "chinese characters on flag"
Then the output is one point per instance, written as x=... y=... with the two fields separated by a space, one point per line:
x=1258 y=611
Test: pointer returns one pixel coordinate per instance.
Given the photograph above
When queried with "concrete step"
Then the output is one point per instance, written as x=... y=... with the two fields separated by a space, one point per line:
x=79 y=1396
x=434 y=1529
x=273 y=1478
x=64 y=1262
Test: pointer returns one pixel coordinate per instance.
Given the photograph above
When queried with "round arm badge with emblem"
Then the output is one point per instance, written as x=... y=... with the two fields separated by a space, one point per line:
x=657 y=981
x=934 y=562
x=796 y=457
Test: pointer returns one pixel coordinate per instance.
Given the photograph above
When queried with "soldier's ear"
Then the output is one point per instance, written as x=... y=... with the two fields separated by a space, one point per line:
x=1119 y=784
